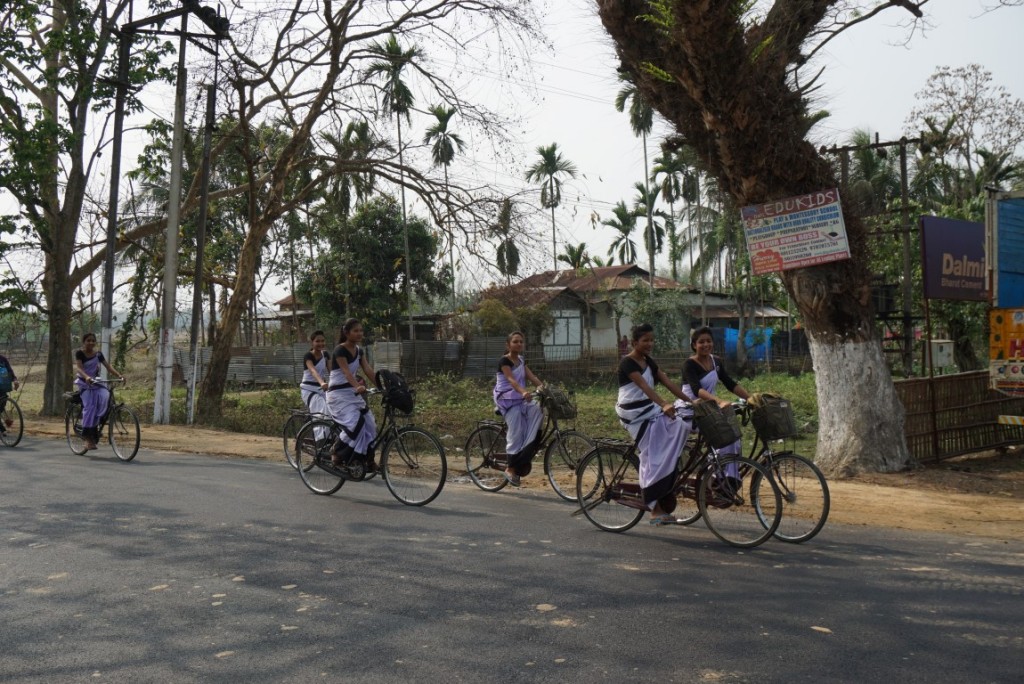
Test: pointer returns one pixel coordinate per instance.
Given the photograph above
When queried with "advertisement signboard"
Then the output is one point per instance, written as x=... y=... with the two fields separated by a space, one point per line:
x=953 y=259
x=795 y=232
x=1004 y=218
x=1006 y=350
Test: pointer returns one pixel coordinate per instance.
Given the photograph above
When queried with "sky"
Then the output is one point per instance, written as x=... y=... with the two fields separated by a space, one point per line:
x=871 y=78
x=872 y=75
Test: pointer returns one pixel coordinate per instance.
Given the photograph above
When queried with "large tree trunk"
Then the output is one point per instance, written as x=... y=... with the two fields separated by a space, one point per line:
x=217 y=374
x=58 y=301
x=727 y=93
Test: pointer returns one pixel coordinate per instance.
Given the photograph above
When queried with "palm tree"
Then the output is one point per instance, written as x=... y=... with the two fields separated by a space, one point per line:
x=549 y=171
x=445 y=145
x=643 y=205
x=624 y=224
x=674 y=169
x=397 y=100
x=508 y=253
x=641 y=120
x=575 y=256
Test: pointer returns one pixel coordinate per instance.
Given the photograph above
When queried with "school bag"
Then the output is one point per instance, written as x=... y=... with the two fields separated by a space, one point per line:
x=397 y=393
x=6 y=383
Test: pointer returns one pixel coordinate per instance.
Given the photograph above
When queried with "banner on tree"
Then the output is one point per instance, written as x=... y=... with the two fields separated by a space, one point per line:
x=795 y=232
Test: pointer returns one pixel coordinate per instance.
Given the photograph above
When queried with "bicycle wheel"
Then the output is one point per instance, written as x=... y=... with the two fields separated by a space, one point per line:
x=414 y=466
x=562 y=458
x=481 y=446
x=731 y=501
x=290 y=432
x=123 y=432
x=13 y=424
x=314 y=457
x=73 y=429
x=617 y=504
x=805 y=497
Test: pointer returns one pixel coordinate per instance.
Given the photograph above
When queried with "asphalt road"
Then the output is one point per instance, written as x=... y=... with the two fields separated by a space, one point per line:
x=179 y=568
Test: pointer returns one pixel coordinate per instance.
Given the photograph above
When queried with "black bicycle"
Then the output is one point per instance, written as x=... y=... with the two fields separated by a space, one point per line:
x=805 y=495
x=296 y=420
x=412 y=460
x=737 y=497
x=486 y=459
x=12 y=423
x=121 y=422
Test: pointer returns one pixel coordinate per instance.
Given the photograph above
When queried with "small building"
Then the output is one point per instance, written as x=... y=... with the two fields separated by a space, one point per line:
x=591 y=301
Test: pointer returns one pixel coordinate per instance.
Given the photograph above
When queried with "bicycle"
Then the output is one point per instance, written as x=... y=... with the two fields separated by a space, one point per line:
x=805 y=495
x=735 y=505
x=12 y=423
x=298 y=418
x=486 y=459
x=124 y=434
x=412 y=464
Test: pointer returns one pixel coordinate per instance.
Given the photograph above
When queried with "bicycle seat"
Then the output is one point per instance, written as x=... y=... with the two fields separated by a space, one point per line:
x=70 y=395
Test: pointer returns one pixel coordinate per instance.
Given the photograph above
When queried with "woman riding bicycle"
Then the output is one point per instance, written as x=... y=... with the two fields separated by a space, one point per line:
x=513 y=399
x=95 y=398
x=314 y=370
x=345 y=397
x=651 y=422
x=701 y=374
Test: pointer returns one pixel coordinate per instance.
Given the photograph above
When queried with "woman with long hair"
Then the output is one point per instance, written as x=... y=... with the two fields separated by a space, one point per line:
x=345 y=398
x=702 y=373
x=313 y=387
x=95 y=397
x=514 y=401
x=659 y=428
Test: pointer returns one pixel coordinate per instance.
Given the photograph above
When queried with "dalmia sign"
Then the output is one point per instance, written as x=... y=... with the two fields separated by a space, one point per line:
x=953 y=259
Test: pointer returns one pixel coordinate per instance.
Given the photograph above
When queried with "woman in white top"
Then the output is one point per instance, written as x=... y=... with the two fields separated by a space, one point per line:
x=345 y=397
x=659 y=428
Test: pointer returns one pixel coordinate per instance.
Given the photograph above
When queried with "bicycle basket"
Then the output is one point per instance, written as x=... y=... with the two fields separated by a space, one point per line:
x=396 y=390
x=558 y=403
x=773 y=418
x=719 y=426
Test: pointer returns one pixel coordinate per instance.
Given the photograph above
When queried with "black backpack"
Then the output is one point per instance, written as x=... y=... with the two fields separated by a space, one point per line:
x=396 y=390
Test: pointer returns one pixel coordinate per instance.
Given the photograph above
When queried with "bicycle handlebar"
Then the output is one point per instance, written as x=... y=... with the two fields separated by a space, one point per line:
x=104 y=381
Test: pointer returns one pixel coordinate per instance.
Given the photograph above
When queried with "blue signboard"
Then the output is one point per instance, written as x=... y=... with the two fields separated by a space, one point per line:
x=1008 y=290
x=953 y=259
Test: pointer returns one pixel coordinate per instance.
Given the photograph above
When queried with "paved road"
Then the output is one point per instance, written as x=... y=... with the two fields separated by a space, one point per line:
x=192 y=569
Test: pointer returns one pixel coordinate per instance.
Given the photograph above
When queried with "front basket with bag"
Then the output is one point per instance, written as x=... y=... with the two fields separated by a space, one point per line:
x=558 y=402
x=719 y=426
x=773 y=417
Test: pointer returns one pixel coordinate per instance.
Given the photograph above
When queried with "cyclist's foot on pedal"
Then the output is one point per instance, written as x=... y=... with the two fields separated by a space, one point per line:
x=513 y=479
x=664 y=519
x=8 y=422
x=90 y=446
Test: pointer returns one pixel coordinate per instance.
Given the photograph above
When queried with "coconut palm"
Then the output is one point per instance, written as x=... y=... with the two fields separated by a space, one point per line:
x=670 y=175
x=641 y=120
x=575 y=256
x=445 y=145
x=624 y=223
x=549 y=171
x=507 y=257
x=397 y=99
x=643 y=205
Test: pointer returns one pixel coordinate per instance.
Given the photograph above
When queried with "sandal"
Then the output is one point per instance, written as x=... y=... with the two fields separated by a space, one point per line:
x=664 y=519
x=513 y=480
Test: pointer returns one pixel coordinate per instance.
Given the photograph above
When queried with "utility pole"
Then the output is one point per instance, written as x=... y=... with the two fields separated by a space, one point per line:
x=165 y=355
x=881 y=148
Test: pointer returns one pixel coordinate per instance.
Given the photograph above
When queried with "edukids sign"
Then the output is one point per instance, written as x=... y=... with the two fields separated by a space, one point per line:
x=795 y=232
